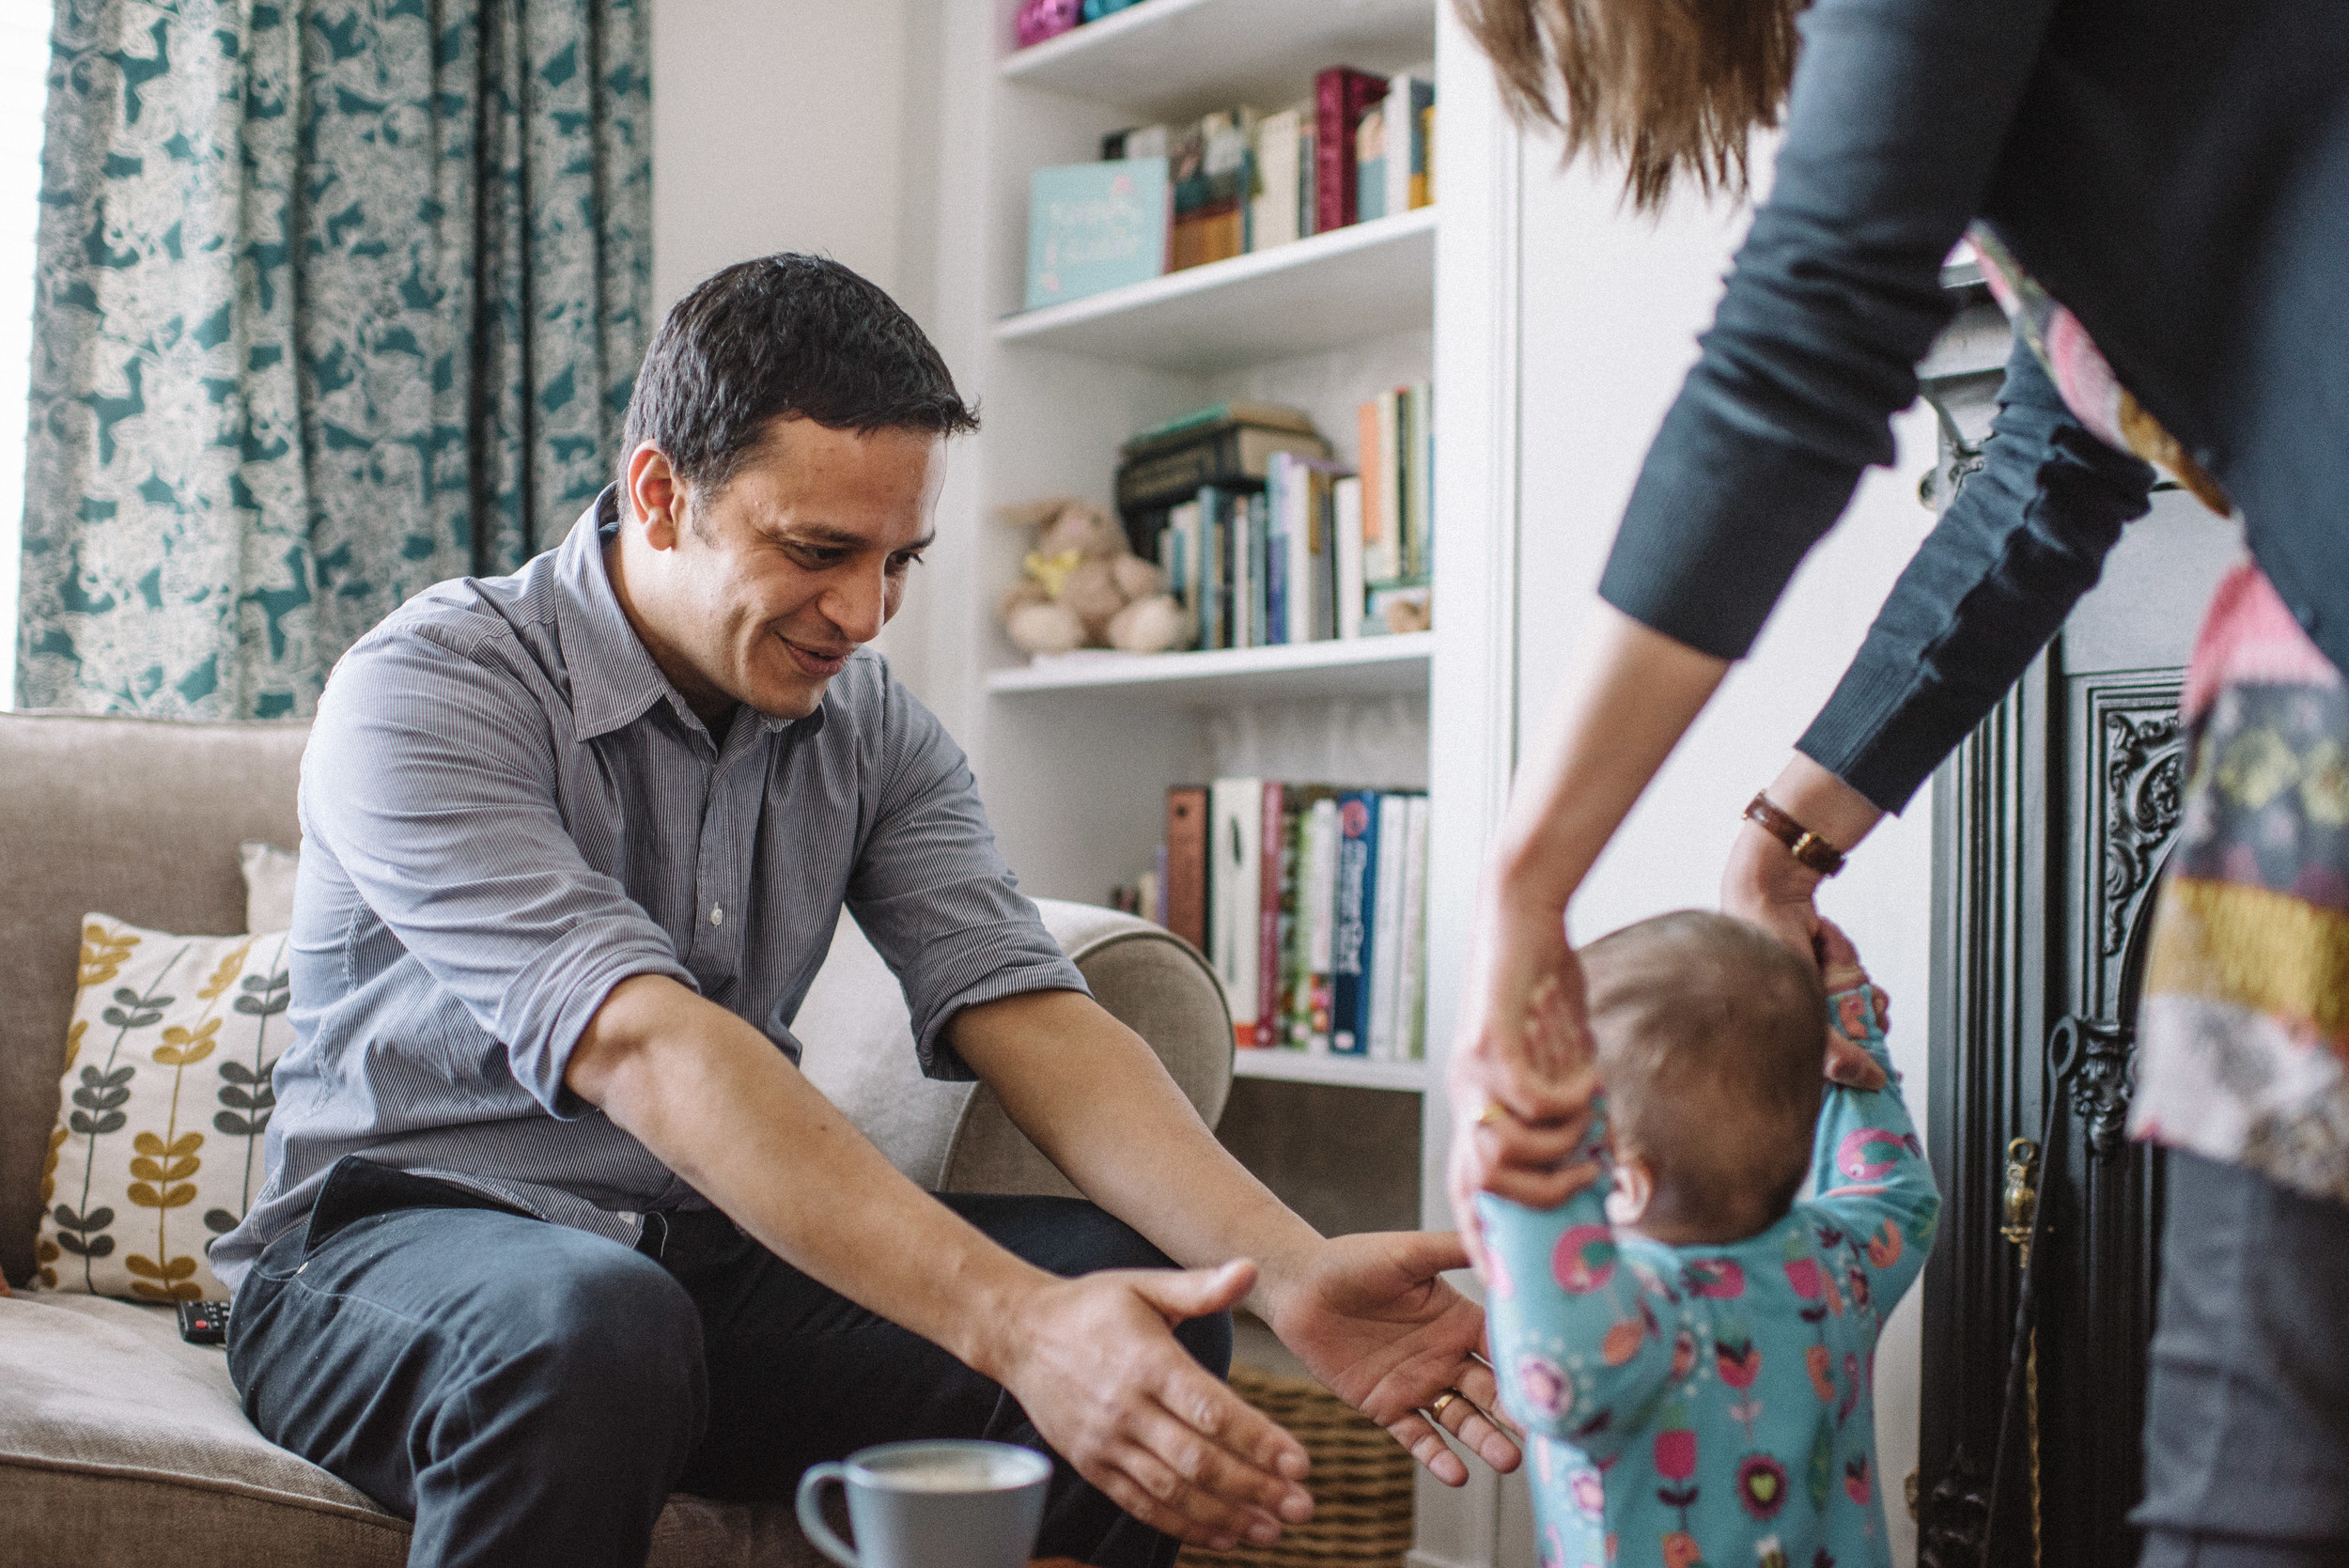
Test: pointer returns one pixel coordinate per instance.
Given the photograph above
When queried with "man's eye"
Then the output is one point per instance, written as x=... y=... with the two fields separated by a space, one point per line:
x=817 y=558
x=899 y=563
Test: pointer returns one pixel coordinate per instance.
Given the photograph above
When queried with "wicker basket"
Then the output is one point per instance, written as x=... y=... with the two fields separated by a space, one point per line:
x=1360 y=1483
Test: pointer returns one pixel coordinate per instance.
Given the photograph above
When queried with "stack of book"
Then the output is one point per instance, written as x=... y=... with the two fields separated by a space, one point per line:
x=1309 y=902
x=1266 y=540
x=1164 y=197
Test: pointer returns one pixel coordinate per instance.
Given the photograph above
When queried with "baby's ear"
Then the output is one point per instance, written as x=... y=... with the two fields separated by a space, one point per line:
x=1635 y=1186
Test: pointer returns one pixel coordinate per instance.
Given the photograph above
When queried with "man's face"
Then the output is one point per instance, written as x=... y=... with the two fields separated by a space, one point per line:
x=759 y=592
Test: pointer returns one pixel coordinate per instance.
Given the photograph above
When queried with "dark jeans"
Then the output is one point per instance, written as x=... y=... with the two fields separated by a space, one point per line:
x=2247 y=1427
x=530 y=1394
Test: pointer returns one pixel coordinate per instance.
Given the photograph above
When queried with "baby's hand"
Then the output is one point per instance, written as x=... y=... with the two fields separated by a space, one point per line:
x=1841 y=973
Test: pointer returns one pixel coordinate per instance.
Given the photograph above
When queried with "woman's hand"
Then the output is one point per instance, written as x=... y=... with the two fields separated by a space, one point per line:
x=1522 y=1068
x=1764 y=883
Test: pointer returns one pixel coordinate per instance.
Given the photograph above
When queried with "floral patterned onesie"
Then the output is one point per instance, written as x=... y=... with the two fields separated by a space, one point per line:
x=1712 y=1403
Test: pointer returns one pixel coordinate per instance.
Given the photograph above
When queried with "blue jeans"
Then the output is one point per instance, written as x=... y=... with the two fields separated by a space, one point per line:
x=2247 y=1426
x=530 y=1394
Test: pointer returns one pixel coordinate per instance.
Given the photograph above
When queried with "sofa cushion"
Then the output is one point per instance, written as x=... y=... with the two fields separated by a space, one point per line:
x=269 y=884
x=138 y=816
x=119 y=1443
x=157 y=1148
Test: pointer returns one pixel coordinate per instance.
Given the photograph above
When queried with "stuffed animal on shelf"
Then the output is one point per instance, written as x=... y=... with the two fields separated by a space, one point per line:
x=1080 y=586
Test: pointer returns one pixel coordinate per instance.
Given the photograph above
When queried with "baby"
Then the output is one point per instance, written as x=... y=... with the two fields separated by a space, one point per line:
x=1689 y=1347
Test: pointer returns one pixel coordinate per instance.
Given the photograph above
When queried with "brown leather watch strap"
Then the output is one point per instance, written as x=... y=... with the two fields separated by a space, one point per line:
x=1807 y=848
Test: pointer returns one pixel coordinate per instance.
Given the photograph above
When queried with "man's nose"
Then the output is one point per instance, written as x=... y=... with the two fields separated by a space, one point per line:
x=857 y=604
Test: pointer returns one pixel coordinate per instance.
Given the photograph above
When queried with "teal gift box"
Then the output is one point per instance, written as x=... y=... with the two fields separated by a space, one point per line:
x=1093 y=226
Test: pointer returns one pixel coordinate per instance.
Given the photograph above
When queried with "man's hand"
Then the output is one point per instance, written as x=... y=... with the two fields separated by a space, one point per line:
x=1112 y=1392
x=1373 y=1319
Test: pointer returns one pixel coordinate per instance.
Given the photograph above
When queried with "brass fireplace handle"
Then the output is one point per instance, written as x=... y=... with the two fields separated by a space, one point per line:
x=2020 y=1200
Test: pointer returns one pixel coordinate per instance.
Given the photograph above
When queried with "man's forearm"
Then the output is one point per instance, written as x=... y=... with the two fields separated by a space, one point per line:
x=1093 y=1095
x=717 y=1103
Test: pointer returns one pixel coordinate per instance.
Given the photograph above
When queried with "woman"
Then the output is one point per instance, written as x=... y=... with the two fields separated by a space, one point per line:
x=2161 y=191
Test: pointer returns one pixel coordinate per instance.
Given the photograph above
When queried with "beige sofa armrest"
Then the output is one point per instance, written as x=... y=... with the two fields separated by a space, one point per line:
x=956 y=1137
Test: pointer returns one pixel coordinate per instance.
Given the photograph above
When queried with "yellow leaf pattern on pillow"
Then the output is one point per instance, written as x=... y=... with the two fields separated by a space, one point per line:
x=164 y=1028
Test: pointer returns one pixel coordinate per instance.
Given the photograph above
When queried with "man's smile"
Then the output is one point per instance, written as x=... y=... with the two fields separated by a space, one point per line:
x=820 y=663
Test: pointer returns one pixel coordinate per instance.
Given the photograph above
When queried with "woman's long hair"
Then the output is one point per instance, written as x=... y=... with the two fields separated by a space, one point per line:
x=1670 y=86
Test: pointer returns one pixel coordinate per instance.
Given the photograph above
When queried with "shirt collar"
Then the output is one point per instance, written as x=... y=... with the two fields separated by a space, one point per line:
x=613 y=678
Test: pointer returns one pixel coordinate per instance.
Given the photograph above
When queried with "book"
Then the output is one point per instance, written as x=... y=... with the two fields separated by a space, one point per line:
x=1139 y=140
x=1214 y=417
x=1418 y=481
x=1406 y=146
x=1382 y=507
x=1272 y=207
x=1234 y=890
x=1240 y=574
x=1424 y=161
x=1186 y=879
x=1370 y=164
x=1354 y=932
x=1278 y=866
x=1094 y=227
x=1398 y=607
x=1411 y=981
x=1231 y=453
x=1387 y=924
x=1306 y=183
x=1180 y=556
x=1341 y=95
x=1347 y=507
x=1208 y=168
x=1316 y=914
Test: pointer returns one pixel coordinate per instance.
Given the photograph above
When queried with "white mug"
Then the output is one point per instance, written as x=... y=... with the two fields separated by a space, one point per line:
x=949 y=1503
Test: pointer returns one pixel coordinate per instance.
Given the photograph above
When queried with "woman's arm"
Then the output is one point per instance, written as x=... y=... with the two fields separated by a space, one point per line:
x=2024 y=539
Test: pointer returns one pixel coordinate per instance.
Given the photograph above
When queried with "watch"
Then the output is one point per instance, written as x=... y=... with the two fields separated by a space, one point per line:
x=1807 y=847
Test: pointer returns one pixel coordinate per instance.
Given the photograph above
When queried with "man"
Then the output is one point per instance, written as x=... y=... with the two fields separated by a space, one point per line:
x=554 y=1226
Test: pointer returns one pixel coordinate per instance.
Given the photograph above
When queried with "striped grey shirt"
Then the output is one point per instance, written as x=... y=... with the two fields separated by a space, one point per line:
x=506 y=810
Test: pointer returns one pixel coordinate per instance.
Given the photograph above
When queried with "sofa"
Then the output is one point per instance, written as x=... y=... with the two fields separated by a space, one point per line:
x=122 y=1444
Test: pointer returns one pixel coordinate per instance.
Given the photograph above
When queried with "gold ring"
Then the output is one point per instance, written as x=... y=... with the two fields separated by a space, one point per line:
x=1436 y=1410
x=1490 y=1116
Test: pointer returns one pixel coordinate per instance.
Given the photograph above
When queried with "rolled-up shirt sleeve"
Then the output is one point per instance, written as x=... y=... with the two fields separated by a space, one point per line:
x=429 y=779
x=2022 y=541
x=934 y=895
x=1899 y=113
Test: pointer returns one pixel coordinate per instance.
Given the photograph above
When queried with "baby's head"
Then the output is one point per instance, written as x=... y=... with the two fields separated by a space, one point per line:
x=1709 y=1037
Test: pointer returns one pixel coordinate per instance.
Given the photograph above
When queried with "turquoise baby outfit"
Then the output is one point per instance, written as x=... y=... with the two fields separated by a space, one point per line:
x=1712 y=1404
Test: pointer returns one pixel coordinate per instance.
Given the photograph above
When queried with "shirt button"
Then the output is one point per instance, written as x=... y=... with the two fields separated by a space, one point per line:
x=717 y=914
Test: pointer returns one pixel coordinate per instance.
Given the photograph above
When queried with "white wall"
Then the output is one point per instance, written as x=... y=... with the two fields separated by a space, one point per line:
x=780 y=125
x=1612 y=304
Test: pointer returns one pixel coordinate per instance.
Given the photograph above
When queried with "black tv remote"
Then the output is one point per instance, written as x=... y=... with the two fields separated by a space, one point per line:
x=204 y=1322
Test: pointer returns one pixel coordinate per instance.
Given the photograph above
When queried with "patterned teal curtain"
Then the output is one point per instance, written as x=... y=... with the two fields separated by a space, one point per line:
x=336 y=301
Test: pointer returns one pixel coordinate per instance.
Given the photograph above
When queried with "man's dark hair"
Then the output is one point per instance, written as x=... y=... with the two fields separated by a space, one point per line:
x=784 y=337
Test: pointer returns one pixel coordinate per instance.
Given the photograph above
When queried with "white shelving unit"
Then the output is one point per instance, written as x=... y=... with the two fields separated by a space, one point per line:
x=1318 y=294
x=1166 y=58
x=1364 y=667
x=1349 y=1072
x=1074 y=755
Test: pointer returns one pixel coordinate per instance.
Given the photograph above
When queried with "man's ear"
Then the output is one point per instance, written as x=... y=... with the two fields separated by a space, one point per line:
x=656 y=495
x=1635 y=1187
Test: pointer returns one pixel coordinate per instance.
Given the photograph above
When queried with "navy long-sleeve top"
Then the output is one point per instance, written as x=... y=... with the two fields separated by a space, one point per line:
x=2176 y=172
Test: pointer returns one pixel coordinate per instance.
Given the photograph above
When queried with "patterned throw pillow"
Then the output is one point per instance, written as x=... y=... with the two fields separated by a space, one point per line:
x=158 y=1144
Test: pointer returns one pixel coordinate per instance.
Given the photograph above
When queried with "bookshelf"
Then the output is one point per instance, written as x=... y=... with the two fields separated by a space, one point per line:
x=1074 y=755
x=1318 y=294
x=1289 y=1066
x=1163 y=59
x=1365 y=666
